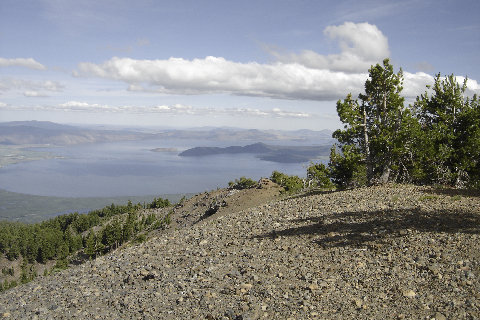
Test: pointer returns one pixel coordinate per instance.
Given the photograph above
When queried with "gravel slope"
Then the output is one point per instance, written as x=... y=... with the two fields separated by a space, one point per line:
x=390 y=252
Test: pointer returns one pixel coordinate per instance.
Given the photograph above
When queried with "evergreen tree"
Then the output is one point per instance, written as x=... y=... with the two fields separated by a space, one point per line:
x=90 y=247
x=318 y=175
x=451 y=134
x=129 y=228
x=373 y=144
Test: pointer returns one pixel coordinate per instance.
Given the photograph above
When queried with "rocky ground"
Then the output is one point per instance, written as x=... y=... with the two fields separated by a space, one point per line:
x=391 y=252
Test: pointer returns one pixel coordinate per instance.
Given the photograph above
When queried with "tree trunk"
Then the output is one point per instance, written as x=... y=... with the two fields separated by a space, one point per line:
x=368 y=157
x=384 y=178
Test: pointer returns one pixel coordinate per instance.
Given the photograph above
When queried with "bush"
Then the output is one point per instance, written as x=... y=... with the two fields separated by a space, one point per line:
x=347 y=169
x=291 y=184
x=159 y=203
x=242 y=183
x=318 y=175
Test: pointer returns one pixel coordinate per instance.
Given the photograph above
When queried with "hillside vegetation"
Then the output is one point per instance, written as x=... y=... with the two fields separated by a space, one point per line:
x=27 y=250
x=384 y=252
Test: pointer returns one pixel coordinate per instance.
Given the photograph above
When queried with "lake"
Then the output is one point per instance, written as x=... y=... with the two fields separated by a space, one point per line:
x=132 y=169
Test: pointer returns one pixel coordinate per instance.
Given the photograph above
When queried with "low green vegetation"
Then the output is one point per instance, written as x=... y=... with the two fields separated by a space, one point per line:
x=62 y=237
x=242 y=183
x=291 y=184
x=428 y=197
x=159 y=203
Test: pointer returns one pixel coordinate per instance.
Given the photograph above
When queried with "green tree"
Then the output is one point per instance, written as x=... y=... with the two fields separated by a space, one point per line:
x=90 y=247
x=451 y=133
x=130 y=226
x=376 y=128
x=112 y=234
x=318 y=175
x=291 y=184
x=159 y=203
x=242 y=183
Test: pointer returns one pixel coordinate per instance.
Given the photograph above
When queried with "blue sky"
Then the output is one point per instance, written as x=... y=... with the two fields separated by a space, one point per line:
x=254 y=64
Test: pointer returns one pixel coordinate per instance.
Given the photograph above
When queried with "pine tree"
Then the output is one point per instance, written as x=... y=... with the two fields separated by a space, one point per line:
x=372 y=142
x=451 y=133
x=90 y=248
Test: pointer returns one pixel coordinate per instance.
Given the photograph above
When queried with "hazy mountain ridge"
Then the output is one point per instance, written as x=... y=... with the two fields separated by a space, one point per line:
x=45 y=132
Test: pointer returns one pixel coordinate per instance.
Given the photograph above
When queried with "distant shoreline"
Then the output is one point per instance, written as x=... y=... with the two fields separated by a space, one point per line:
x=164 y=150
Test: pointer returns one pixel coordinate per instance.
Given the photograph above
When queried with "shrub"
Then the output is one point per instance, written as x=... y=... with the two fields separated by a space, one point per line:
x=318 y=175
x=291 y=184
x=159 y=203
x=242 y=183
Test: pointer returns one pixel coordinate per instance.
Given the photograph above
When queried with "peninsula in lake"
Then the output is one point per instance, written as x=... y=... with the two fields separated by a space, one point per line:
x=281 y=154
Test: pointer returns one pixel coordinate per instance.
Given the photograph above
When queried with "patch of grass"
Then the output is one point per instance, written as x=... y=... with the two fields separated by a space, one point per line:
x=395 y=198
x=428 y=197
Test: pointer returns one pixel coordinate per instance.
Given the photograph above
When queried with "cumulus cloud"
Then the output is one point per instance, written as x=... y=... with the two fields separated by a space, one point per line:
x=473 y=87
x=308 y=75
x=22 y=62
x=415 y=84
x=361 y=45
x=218 y=75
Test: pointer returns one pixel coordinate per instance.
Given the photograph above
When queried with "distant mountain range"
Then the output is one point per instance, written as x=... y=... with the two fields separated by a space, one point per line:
x=45 y=132
x=282 y=154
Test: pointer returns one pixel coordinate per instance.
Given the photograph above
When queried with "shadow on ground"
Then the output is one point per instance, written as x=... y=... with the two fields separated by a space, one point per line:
x=367 y=227
x=454 y=192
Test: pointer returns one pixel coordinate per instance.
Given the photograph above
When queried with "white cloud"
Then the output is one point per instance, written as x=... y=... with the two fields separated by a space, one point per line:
x=29 y=86
x=176 y=109
x=304 y=76
x=34 y=94
x=2 y=104
x=308 y=75
x=218 y=75
x=415 y=84
x=473 y=87
x=361 y=46
x=22 y=62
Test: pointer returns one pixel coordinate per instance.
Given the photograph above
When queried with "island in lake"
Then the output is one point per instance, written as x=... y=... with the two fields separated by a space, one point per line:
x=281 y=154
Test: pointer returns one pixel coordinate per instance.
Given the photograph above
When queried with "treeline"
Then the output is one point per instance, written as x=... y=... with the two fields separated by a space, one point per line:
x=95 y=233
x=435 y=140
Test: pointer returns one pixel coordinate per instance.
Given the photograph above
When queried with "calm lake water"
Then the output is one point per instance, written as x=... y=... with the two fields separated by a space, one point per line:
x=132 y=169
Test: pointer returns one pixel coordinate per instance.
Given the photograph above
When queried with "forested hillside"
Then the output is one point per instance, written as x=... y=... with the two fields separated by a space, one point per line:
x=72 y=237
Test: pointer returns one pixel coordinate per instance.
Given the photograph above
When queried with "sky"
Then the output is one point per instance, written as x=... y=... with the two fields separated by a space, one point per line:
x=276 y=64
